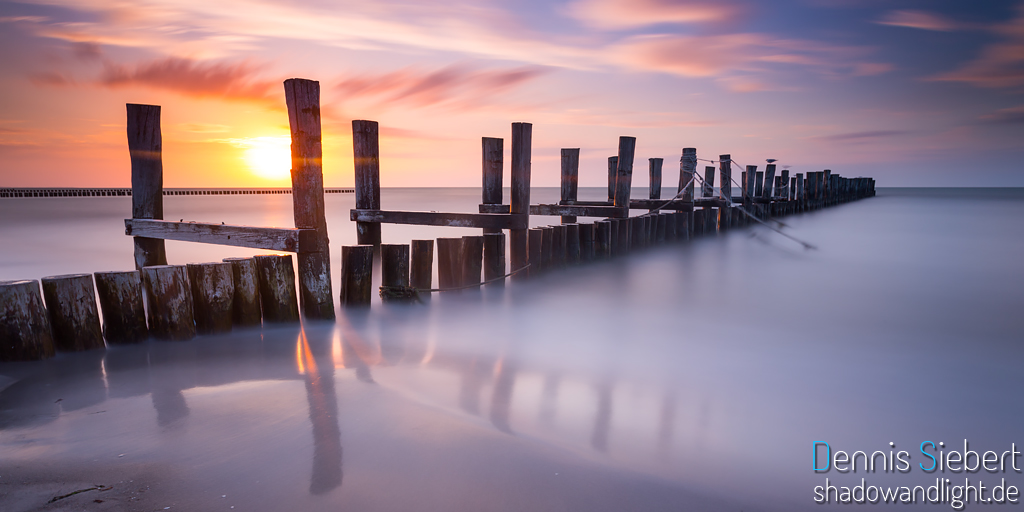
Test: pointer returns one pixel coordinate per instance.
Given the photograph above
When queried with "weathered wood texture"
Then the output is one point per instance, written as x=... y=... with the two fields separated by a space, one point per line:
x=213 y=294
x=547 y=242
x=623 y=235
x=356 y=275
x=449 y=263
x=603 y=239
x=493 y=161
x=572 y=244
x=578 y=210
x=783 y=191
x=421 y=269
x=624 y=171
x=271 y=239
x=394 y=272
x=758 y=182
x=277 y=288
x=122 y=306
x=472 y=259
x=654 y=167
x=245 y=305
x=708 y=187
x=687 y=166
x=170 y=302
x=636 y=233
x=74 y=318
x=660 y=228
x=725 y=168
x=558 y=254
x=536 y=242
x=588 y=235
x=613 y=169
x=494 y=258
x=24 y=325
x=570 y=178
x=303 y=100
x=145 y=147
x=522 y=148
x=366 y=154
x=464 y=220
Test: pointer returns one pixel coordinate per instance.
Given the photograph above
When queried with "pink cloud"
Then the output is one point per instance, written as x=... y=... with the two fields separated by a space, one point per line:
x=1000 y=65
x=618 y=14
x=237 y=81
x=918 y=19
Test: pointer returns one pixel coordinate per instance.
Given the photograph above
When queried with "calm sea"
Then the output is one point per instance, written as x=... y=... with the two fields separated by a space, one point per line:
x=695 y=376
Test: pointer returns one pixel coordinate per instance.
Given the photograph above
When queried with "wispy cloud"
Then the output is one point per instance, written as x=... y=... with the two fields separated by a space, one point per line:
x=234 y=81
x=918 y=19
x=620 y=14
x=864 y=136
x=1011 y=115
x=1001 y=64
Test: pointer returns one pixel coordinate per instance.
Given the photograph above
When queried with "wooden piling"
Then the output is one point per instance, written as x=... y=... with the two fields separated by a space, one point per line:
x=169 y=300
x=421 y=270
x=570 y=179
x=636 y=233
x=613 y=166
x=545 y=248
x=493 y=162
x=758 y=182
x=145 y=147
x=622 y=235
x=24 y=323
x=558 y=246
x=494 y=258
x=536 y=243
x=784 y=185
x=572 y=244
x=74 y=318
x=725 y=169
x=698 y=222
x=588 y=238
x=213 y=293
x=366 y=154
x=302 y=98
x=708 y=188
x=472 y=259
x=522 y=144
x=277 y=287
x=122 y=307
x=687 y=166
x=654 y=168
x=660 y=228
x=603 y=239
x=800 y=190
x=769 y=182
x=449 y=263
x=669 y=228
x=245 y=306
x=624 y=171
x=394 y=273
x=356 y=276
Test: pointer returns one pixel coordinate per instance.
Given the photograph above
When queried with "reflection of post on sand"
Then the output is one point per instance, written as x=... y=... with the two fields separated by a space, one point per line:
x=323 y=414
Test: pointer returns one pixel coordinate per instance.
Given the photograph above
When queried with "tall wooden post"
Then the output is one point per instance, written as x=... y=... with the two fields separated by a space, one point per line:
x=654 y=165
x=145 y=146
x=708 y=188
x=493 y=150
x=800 y=190
x=613 y=166
x=725 y=168
x=624 y=172
x=522 y=144
x=784 y=185
x=570 y=179
x=303 y=100
x=769 y=181
x=687 y=166
x=366 y=154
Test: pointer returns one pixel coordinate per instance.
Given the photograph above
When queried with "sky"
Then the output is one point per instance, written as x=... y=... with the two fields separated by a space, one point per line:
x=912 y=93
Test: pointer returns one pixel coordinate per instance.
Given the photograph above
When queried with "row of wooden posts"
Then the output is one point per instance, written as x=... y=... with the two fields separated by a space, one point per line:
x=113 y=192
x=182 y=301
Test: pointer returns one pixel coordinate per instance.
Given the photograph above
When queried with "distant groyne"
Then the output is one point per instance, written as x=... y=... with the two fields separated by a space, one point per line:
x=109 y=192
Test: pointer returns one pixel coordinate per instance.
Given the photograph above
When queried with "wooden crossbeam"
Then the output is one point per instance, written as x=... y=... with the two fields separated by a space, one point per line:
x=465 y=220
x=578 y=210
x=272 y=239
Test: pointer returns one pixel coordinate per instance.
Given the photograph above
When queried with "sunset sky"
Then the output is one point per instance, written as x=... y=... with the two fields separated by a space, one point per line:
x=913 y=93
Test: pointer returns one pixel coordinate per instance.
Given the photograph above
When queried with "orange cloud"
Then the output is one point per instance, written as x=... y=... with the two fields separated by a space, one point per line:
x=619 y=14
x=222 y=80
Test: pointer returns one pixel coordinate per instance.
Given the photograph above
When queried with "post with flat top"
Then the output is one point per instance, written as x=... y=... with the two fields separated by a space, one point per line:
x=522 y=144
x=303 y=100
x=145 y=146
x=655 y=165
x=366 y=154
x=493 y=161
x=613 y=166
x=687 y=166
x=624 y=172
x=570 y=179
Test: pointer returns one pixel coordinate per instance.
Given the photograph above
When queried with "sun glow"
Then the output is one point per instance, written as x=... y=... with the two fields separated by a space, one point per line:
x=268 y=157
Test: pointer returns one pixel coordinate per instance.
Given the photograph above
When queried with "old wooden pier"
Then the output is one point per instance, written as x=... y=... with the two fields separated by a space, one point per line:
x=177 y=302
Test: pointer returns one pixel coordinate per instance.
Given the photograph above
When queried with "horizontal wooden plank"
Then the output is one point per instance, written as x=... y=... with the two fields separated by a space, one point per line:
x=464 y=220
x=663 y=204
x=495 y=208
x=272 y=239
x=578 y=210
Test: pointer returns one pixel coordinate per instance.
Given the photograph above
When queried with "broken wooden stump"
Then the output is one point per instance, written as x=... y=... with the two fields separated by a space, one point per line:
x=74 y=318
x=122 y=306
x=24 y=325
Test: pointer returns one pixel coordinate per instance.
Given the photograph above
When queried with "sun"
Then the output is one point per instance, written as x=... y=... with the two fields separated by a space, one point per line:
x=268 y=157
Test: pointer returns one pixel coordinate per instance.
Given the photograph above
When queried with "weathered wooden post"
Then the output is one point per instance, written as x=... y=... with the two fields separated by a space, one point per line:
x=170 y=302
x=493 y=150
x=708 y=214
x=303 y=100
x=784 y=185
x=472 y=259
x=660 y=228
x=547 y=241
x=122 y=307
x=74 y=319
x=421 y=271
x=277 y=287
x=588 y=238
x=536 y=243
x=769 y=183
x=668 y=226
x=603 y=239
x=366 y=155
x=245 y=306
x=213 y=294
x=687 y=166
x=494 y=258
x=449 y=263
x=725 y=168
x=654 y=168
x=570 y=179
x=145 y=146
x=558 y=243
x=624 y=173
x=708 y=188
x=394 y=273
x=622 y=236
x=522 y=144
x=356 y=276
x=613 y=166
x=636 y=233
x=699 y=222
x=758 y=183
x=800 y=190
x=572 y=244
x=24 y=324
